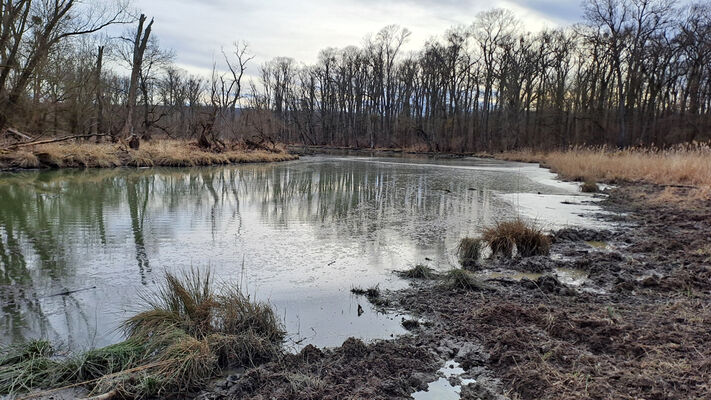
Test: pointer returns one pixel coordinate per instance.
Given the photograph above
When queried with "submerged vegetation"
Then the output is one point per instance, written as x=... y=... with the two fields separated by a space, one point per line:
x=169 y=153
x=372 y=292
x=188 y=334
x=525 y=237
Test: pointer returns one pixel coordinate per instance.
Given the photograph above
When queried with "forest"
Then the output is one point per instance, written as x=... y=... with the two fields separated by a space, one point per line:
x=631 y=73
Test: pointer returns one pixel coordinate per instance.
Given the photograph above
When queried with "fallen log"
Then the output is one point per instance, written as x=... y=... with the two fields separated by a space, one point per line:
x=62 y=139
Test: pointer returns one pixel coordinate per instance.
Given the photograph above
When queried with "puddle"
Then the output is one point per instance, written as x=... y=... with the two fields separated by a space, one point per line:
x=568 y=276
x=442 y=388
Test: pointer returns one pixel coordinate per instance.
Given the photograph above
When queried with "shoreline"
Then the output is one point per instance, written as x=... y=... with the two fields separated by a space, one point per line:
x=636 y=327
x=157 y=153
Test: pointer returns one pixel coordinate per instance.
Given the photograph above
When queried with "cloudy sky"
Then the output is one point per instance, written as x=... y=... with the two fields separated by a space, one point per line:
x=197 y=29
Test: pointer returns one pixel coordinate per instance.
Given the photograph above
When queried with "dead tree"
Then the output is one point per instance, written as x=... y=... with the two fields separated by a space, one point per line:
x=139 y=47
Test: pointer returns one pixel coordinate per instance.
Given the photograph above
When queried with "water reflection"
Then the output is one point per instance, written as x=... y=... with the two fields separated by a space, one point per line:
x=301 y=233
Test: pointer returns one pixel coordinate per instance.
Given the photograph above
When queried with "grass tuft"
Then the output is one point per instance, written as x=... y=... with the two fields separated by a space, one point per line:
x=458 y=278
x=589 y=186
x=469 y=252
x=528 y=239
x=419 y=271
x=187 y=335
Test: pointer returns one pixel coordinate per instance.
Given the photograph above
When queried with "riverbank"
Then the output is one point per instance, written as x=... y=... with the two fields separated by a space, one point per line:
x=681 y=165
x=637 y=327
x=165 y=153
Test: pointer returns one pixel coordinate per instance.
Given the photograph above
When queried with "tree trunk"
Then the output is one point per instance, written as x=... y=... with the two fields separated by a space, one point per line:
x=139 y=47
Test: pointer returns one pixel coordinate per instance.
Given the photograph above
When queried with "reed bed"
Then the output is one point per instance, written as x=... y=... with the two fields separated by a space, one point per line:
x=688 y=164
x=166 y=153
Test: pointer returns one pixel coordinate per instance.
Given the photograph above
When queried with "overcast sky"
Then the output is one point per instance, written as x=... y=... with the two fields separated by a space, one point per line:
x=197 y=29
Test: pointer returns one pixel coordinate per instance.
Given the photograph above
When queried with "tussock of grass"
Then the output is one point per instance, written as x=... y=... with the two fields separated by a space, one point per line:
x=525 y=237
x=680 y=165
x=419 y=271
x=469 y=252
x=168 y=153
x=187 y=335
x=458 y=278
x=589 y=187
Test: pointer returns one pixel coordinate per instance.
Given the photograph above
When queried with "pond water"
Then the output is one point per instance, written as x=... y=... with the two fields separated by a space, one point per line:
x=299 y=235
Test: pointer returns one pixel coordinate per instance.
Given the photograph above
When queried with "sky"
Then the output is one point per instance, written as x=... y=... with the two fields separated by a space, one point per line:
x=197 y=29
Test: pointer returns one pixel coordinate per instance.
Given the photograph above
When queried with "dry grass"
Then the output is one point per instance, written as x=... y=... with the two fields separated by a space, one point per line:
x=457 y=278
x=188 y=334
x=682 y=165
x=419 y=271
x=469 y=252
x=527 y=238
x=168 y=153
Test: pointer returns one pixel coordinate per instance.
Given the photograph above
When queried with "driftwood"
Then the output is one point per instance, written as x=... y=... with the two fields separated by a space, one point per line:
x=62 y=139
x=14 y=133
x=261 y=145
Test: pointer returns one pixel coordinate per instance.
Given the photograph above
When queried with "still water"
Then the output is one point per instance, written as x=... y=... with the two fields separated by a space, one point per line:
x=299 y=235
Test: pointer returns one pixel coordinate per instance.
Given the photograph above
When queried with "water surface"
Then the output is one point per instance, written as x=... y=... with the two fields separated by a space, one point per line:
x=297 y=234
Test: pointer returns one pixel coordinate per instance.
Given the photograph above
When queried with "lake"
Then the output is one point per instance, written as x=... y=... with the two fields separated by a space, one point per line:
x=79 y=247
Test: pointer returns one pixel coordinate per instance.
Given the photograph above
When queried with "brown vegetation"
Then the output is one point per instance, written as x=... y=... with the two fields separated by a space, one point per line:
x=525 y=237
x=170 y=153
x=189 y=332
x=680 y=165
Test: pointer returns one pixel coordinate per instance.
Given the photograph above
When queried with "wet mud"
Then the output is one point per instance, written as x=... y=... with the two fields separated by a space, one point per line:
x=637 y=328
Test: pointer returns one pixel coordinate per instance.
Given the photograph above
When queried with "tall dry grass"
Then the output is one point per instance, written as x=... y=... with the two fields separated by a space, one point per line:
x=688 y=164
x=167 y=153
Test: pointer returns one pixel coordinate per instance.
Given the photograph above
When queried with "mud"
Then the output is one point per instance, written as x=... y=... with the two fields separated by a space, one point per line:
x=637 y=328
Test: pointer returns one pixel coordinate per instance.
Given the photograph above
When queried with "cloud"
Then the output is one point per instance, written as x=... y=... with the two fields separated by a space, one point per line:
x=196 y=30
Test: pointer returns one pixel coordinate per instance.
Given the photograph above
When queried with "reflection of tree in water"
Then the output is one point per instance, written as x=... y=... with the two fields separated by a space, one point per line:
x=137 y=209
x=34 y=221
x=49 y=218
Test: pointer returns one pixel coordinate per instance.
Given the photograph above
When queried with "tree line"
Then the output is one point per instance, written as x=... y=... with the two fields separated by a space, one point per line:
x=634 y=72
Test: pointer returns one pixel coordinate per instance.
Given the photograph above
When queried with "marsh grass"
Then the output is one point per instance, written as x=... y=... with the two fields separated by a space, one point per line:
x=469 y=251
x=188 y=333
x=419 y=271
x=168 y=153
x=458 y=278
x=589 y=186
x=686 y=164
x=527 y=238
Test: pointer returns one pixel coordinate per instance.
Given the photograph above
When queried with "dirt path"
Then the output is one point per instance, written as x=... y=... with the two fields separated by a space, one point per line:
x=638 y=328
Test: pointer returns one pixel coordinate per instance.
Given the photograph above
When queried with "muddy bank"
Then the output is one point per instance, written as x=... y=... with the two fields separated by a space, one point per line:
x=637 y=327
